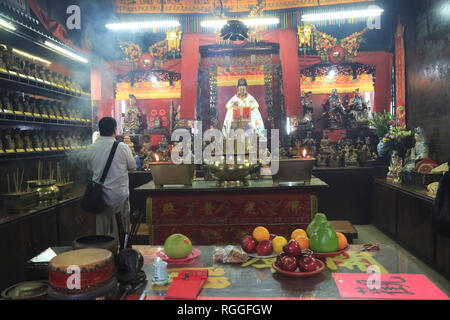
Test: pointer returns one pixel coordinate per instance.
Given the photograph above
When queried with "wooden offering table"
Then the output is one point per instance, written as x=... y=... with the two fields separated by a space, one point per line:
x=209 y=214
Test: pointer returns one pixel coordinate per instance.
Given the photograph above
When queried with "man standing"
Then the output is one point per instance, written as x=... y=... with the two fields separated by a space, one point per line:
x=116 y=185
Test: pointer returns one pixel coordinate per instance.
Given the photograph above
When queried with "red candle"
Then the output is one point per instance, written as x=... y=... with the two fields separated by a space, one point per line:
x=236 y=114
x=246 y=112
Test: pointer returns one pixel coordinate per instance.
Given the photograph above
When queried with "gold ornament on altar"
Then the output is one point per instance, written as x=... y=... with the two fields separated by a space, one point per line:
x=304 y=36
x=173 y=40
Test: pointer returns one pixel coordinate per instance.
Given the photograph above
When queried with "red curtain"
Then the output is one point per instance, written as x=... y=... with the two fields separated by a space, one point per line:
x=189 y=74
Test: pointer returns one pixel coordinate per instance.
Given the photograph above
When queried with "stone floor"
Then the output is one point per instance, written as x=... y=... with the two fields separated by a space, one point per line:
x=370 y=234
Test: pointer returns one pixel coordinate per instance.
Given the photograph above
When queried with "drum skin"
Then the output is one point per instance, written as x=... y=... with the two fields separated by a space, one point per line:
x=96 y=267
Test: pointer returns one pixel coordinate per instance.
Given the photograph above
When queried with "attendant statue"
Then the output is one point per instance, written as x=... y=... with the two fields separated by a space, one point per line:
x=310 y=144
x=130 y=144
x=357 y=112
x=308 y=110
x=133 y=119
x=43 y=139
x=41 y=73
x=243 y=112
x=419 y=152
x=334 y=111
x=33 y=71
x=36 y=140
x=335 y=158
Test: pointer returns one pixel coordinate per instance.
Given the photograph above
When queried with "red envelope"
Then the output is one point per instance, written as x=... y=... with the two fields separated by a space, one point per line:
x=246 y=112
x=187 y=285
x=236 y=114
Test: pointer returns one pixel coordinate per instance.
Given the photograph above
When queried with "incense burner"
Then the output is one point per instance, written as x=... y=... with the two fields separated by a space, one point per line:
x=19 y=202
x=294 y=170
x=165 y=173
x=47 y=191
x=65 y=190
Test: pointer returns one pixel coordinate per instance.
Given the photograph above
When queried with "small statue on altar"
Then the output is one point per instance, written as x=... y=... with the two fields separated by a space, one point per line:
x=335 y=157
x=308 y=110
x=27 y=143
x=33 y=71
x=36 y=140
x=10 y=144
x=395 y=169
x=133 y=119
x=51 y=140
x=6 y=103
x=310 y=144
x=41 y=73
x=420 y=151
x=43 y=138
x=359 y=143
x=27 y=106
x=130 y=144
x=350 y=156
x=163 y=150
x=243 y=112
x=2 y=57
x=48 y=76
x=17 y=103
x=59 y=140
x=368 y=151
x=344 y=141
x=334 y=110
x=18 y=141
x=321 y=160
x=325 y=143
x=1 y=141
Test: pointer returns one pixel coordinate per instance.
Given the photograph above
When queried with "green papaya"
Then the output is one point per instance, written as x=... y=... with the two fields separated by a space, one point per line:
x=317 y=220
x=325 y=239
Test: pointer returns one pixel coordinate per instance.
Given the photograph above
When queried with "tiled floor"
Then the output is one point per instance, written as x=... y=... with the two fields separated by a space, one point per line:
x=370 y=234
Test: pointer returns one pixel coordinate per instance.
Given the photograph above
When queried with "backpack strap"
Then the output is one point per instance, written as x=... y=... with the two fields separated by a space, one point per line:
x=108 y=163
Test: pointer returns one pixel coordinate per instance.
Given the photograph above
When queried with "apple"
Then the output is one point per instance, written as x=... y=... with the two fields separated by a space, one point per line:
x=307 y=263
x=264 y=248
x=279 y=258
x=292 y=248
x=249 y=244
x=272 y=236
x=288 y=263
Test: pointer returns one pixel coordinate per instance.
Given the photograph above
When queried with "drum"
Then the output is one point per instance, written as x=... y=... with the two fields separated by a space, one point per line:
x=82 y=274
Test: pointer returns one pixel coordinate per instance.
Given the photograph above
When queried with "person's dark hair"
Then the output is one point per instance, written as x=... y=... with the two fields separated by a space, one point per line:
x=242 y=82
x=107 y=126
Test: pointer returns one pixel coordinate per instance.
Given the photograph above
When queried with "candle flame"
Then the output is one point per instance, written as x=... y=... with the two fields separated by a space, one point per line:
x=156 y=157
x=304 y=153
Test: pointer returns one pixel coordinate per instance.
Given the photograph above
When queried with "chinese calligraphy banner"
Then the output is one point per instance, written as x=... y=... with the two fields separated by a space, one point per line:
x=390 y=286
x=204 y=6
x=400 y=99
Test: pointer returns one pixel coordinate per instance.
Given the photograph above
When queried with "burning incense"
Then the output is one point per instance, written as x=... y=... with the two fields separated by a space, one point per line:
x=9 y=187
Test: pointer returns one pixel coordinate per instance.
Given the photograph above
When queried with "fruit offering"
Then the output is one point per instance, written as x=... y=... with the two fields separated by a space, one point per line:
x=304 y=262
x=322 y=237
x=262 y=243
x=177 y=246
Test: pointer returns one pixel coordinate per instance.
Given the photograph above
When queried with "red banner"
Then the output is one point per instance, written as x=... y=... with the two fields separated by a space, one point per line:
x=400 y=76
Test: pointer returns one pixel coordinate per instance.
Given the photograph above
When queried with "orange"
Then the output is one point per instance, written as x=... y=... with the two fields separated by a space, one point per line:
x=277 y=243
x=303 y=242
x=342 y=240
x=260 y=234
x=298 y=232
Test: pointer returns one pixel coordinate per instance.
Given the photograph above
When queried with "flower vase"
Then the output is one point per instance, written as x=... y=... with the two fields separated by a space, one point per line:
x=382 y=149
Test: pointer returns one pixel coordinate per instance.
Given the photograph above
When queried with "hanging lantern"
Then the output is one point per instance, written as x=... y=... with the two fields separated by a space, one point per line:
x=304 y=36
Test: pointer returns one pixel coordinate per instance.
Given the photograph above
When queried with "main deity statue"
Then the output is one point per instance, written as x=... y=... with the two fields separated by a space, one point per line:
x=243 y=112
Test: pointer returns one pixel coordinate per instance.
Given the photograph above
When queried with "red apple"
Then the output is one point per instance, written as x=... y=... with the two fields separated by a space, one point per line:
x=288 y=263
x=279 y=258
x=264 y=248
x=292 y=248
x=272 y=236
x=249 y=244
x=307 y=264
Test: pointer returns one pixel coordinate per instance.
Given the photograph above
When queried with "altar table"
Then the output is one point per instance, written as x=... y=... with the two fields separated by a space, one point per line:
x=401 y=278
x=209 y=214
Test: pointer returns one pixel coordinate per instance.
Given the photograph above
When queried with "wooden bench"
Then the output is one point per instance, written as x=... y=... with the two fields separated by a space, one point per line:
x=346 y=228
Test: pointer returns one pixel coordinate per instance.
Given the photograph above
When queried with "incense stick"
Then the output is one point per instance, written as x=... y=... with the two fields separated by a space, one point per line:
x=9 y=187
